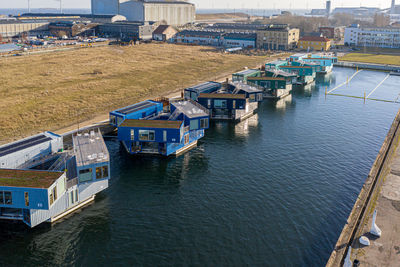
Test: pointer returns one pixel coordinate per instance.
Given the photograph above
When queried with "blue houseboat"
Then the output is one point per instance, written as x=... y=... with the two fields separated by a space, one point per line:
x=207 y=87
x=136 y=111
x=323 y=60
x=235 y=101
x=71 y=182
x=165 y=133
x=276 y=84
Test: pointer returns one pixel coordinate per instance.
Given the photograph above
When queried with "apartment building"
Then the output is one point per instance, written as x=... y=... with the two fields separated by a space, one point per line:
x=277 y=37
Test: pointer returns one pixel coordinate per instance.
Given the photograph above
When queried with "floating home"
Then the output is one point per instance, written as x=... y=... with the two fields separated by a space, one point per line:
x=306 y=73
x=171 y=131
x=71 y=182
x=242 y=76
x=324 y=61
x=31 y=151
x=207 y=87
x=136 y=111
x=235 y=101
x=276 y=84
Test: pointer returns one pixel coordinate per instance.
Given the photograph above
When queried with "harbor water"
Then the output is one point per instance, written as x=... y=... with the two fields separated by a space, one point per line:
x=274 y=190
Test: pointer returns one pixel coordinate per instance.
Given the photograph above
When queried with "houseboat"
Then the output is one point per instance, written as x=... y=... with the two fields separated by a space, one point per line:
x=171 y=131
x=207 y=87
x=34 y=196
x=275 y=84
x=323 y=60
x=31 y=151
x=236 y=101
x=136 y=111
x=242 y=76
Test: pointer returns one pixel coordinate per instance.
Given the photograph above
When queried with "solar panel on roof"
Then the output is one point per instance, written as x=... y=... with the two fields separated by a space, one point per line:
x=23 y=145
x=135 y=108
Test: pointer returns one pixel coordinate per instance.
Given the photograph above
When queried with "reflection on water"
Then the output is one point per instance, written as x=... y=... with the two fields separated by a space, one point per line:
x=242 y=128
x=281 y=104
x=275 y=189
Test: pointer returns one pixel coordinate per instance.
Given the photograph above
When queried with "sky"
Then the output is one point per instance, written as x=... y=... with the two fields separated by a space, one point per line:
x=208 y=4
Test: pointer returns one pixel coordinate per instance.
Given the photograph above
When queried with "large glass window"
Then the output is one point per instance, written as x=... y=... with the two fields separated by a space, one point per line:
x=194 y=124
x=219 y=103
x=113 y=119
x=1 y=198
x=7 y=198
x=146 y=135
x=85 y=175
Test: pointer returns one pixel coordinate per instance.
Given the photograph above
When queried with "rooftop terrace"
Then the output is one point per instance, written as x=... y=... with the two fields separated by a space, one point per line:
x=28 y=178
x=190 y=109
x=90 y=148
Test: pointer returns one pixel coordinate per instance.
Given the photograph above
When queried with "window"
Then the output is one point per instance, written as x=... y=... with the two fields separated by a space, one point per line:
x=209 y=103
x=204 y=123
x=98 y=173
x=7 y=198
x=55 y=193
x=51 y=199
x=105 y=171
x=85 y=175
x=146 y=135
x=186 y=139
x=234 y=104
x=76 y=195
x=194 y=124
x=26 y=194
x=165 y=136
x=220 y=103
x=132 y=134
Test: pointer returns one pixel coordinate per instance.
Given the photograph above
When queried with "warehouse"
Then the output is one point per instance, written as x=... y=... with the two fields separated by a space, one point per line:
x=170 y=12
x=127 y=30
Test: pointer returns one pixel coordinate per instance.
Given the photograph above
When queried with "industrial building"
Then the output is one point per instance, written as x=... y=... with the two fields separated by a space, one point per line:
x=277 y=37
x=170 y=12
x=199 y=37
x=245 y=40
x=372 y=37
x=236 y=27
x=127 y=30
x=164 y=33
x=72 y=28
x=10 y=29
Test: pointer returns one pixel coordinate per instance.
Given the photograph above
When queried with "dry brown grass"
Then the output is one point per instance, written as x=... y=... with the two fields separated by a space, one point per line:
x=46 y=92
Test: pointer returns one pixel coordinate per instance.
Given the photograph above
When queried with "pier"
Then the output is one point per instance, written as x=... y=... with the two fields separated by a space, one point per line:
x=380 y=192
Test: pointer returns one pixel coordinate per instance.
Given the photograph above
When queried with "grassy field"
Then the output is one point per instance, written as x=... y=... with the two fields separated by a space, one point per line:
x=55 y=90
x=372 y=58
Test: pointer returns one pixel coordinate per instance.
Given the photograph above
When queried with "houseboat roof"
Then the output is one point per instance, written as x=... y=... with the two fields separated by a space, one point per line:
x=90 y=148
x=28 y=178
x=247 y=72
x=136 y=107
x=266 y=79
x=158 y=124
x=222 y=96
x=296 y=67
x=26 y=143
x=281 y=73
x=239 y=86
x=190 y=109
x=207 y=86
